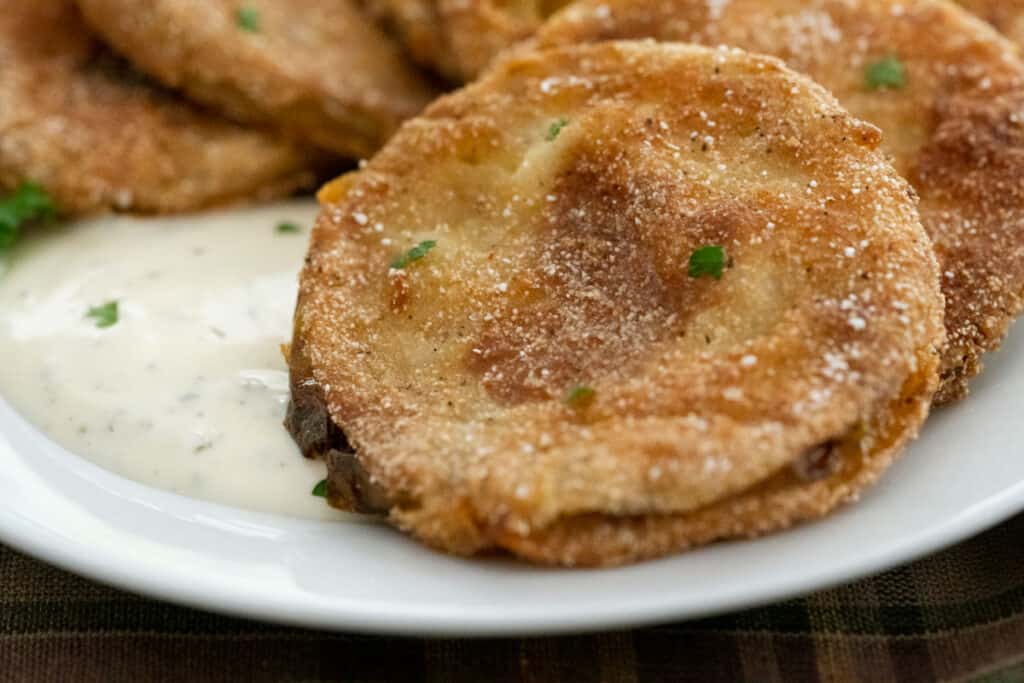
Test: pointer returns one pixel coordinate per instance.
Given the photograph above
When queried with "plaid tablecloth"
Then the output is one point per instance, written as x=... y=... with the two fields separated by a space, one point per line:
x=958 y=615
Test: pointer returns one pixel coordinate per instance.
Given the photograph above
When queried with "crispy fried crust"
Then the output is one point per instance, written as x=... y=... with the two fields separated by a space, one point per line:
x=955 y=130
x=561 y=259
x=416 y=25
x=97 y=136
x=317 y=69
x=1006 y=15
x=778 y=503
x=459 y=38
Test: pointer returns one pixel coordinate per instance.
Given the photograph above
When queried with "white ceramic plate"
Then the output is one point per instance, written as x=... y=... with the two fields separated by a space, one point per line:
x=965 y=473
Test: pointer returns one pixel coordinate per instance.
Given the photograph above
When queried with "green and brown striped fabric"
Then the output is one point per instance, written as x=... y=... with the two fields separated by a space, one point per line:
x=958 y=615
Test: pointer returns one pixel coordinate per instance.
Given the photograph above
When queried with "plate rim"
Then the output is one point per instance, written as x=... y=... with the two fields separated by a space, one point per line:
x=134 y=574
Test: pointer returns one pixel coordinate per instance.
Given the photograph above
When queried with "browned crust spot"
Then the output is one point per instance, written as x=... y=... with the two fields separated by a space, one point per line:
x=955 y=130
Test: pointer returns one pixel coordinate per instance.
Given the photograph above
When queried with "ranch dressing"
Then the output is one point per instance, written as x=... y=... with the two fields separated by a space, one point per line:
x=187 y=391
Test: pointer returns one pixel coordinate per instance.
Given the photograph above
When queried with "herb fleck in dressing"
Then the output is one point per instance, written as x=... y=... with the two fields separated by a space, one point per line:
x=151 y=347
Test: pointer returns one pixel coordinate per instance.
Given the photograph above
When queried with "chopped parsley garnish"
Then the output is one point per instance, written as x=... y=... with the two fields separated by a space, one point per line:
x=320 y=490
x=556 y=128
x=105 y=315
x=414 y=254
x=580 y=396
x=28 y=203
x=886 y=73
x=248 y=19
x=288 y=228
x=707 y=261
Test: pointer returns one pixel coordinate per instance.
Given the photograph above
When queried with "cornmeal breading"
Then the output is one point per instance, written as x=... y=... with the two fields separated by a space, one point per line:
x=947 y=92
x=1006 y=15
x=96 y=135
x=510 y=333
x=318 y=69
x=459 y=38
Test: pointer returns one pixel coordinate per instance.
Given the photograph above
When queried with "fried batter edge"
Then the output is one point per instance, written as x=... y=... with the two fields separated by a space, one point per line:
x=598 y=539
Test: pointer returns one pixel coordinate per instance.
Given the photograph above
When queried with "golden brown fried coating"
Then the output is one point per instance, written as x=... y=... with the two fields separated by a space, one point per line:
x=417 y=27
x=459 y=38
x=97 y=136
x=954 y=126
x=1006 y=15
x=317 y=69
x=567 y=191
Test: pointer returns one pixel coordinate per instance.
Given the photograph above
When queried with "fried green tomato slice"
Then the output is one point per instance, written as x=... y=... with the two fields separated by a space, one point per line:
x=97 y=136
x=612 y=301
x=317 y=69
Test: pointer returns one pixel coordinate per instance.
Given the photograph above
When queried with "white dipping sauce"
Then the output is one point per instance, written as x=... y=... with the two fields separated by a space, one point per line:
x=188 y=390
